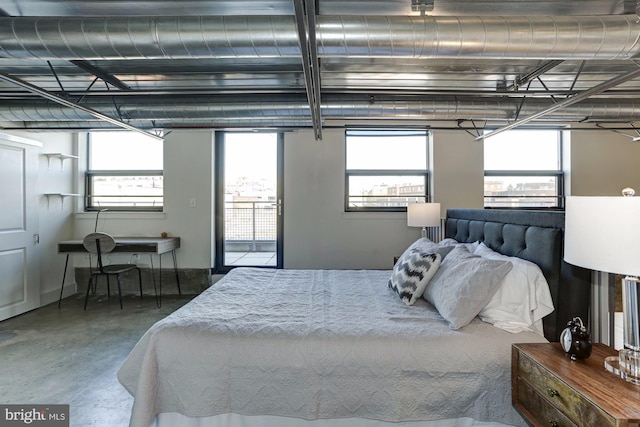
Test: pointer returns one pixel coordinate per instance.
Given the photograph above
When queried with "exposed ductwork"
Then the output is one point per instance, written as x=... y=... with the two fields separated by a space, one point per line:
x=220 y=111
x=496 y=37
x=117 y=38
x=189 y=37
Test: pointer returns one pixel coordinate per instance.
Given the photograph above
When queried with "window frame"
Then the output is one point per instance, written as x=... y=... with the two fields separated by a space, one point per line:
x=89 y=206
x=557 y=174
x=426 y=173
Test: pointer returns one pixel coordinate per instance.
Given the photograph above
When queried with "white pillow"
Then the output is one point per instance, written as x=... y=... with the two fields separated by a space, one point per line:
x=522 y=299
x=427 y=245
x=453 y=242
x=464 y=284
x=448 y=242
x=412 y=273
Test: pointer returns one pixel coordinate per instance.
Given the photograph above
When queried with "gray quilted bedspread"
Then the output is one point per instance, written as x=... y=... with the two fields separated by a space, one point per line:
x=318 y=344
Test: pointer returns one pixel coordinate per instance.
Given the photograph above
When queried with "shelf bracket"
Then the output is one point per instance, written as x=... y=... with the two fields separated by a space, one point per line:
x=62 y=196
x=61 y=156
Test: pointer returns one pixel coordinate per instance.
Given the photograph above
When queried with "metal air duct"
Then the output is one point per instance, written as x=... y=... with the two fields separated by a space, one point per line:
x=226 y=110
x=188 y=37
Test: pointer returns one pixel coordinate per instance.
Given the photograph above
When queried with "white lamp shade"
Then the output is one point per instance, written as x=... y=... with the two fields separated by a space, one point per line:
x=603 y=233
x=423 y=214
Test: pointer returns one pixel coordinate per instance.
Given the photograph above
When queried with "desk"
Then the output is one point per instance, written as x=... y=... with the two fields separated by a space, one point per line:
x=130 y=245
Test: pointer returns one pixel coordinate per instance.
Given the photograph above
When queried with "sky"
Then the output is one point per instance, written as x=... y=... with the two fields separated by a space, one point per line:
x=526 y=150
x=252 y=154
x=143 y=153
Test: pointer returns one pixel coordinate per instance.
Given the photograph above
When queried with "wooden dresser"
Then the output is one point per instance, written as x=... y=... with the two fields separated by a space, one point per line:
x=551 y=390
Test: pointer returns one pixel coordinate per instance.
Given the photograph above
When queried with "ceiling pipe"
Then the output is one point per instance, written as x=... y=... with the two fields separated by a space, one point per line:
x=189 y=37
x=269 y=109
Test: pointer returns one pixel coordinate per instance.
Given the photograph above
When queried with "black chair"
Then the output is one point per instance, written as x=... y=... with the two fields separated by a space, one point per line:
x=100 y=244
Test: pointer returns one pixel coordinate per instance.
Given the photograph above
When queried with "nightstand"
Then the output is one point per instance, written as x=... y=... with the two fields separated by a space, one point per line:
x=549 y=389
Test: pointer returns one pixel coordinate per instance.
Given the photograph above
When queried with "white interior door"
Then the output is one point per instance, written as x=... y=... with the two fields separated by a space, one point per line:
x=19 y=271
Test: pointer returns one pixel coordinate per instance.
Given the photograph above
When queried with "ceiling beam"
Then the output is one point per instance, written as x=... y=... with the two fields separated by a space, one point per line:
x=91 y=69
x=306 y=25
x=568 y=101
x=67 y=103
x=521 y=81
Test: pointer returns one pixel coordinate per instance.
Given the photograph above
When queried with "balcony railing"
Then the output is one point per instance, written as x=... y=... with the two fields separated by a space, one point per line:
x=250 y=226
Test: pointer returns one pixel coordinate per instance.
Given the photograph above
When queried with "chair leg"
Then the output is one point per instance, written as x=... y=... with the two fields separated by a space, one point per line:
x=86 y=297
x=108 y=287
x=119 y=290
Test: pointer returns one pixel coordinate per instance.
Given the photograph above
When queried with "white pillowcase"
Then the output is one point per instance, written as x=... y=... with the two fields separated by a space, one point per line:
x=464 y=284
x=522 y=299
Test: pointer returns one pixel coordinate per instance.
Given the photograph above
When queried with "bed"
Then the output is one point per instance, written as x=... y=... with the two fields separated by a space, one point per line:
x=267 y=347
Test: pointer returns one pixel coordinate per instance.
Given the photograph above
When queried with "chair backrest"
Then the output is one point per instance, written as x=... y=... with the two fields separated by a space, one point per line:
x=98 y=244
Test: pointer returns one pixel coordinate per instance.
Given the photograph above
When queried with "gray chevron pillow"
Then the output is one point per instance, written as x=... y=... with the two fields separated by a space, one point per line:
x=412 y=274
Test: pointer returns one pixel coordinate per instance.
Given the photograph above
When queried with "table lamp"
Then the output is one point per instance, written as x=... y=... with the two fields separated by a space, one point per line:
x=423 y=215
x=603 y=233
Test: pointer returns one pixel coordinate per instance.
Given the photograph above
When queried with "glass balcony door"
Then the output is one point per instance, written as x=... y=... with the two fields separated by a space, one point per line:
x=248 y=200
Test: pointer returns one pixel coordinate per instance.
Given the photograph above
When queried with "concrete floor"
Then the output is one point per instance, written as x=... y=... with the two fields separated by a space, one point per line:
x=71 y=356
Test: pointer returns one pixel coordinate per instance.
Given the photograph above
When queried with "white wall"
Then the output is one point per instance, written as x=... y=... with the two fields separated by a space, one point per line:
x=188 y=169
x=317 y=232
x=58 y=221
x=457 y=170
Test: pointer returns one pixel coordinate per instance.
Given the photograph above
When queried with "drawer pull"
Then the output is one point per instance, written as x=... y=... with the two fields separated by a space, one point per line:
x=553 y=423
x=552 y=393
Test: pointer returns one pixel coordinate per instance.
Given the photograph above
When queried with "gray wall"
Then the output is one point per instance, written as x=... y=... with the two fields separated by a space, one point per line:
x=603 y=163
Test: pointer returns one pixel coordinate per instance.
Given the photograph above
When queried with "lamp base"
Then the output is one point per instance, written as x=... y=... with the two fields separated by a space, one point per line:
x=626 y=365
x=630 y=365
x=631 y=313
x=612 y=364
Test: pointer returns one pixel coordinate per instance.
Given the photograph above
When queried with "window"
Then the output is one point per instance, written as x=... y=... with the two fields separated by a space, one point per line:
x=124 y=172
x=523 y=169
x=385 y=169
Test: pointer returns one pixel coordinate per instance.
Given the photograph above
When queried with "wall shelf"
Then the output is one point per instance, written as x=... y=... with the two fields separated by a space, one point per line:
x=60 y=156
x=62 y=196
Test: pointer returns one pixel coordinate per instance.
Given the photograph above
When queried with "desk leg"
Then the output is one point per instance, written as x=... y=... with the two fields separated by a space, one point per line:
x=175 y=269
x=66 y=263
x=155 y=289
x=159 y=299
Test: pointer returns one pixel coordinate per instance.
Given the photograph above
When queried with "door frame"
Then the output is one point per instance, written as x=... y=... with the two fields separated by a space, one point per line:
x=218 y=185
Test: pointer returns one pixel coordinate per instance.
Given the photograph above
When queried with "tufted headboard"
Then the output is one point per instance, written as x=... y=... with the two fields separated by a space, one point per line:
x=536 y=236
